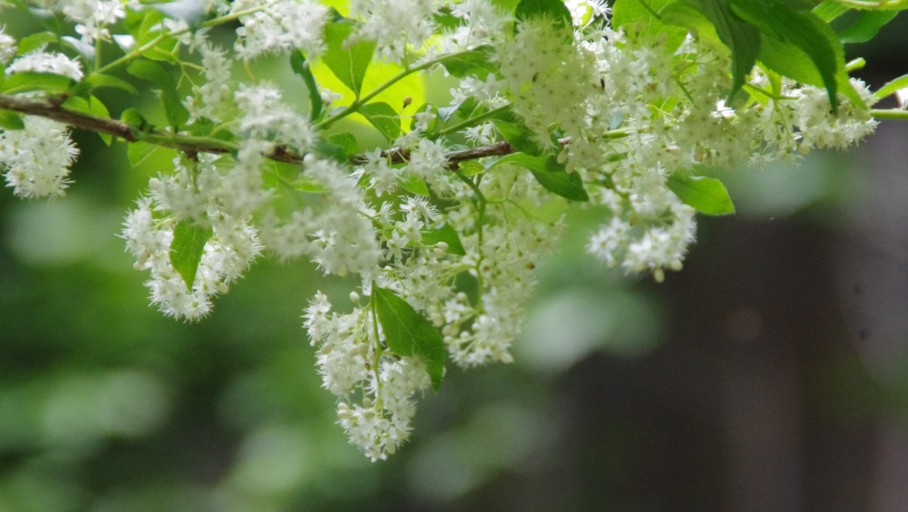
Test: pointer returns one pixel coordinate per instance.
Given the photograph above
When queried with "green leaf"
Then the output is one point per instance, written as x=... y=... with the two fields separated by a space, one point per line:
x=554 y=10
x=346 y=141
x=144 y=24
x=134 y=119
x=28 y=81
x=474 y=62
x=301 y=67
x=446 y=234
x=829 y=10
x=174 y=110
x=410 y=334
x=799 y=27
x=741 y=38
x=98 y=81
x=35 y=41
x=187 y=249
x=550 y=174
x=788 y=60
x=11 y=120
x=470 y=168
x=384 y=118
x=98 y=109
x=348 y=62
x=866 y=26
x=517 y=133
x=328 y=149
x=138 y=153
x=165 y=50
x=414 y=184
x=633 y=16
x=706 y=195
x=891 y=87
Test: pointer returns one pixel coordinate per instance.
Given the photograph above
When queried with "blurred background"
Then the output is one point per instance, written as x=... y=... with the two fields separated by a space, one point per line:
x=770 y=374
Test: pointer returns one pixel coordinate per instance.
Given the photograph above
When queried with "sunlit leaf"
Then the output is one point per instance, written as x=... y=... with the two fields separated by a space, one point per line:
x=348 y=61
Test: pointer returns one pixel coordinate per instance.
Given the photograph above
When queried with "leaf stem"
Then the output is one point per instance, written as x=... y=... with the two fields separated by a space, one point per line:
x=467 y=122
x=138 y=52
x=889 y=113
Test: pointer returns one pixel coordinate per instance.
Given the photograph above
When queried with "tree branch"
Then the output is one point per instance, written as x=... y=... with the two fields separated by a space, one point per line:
x=52 y=109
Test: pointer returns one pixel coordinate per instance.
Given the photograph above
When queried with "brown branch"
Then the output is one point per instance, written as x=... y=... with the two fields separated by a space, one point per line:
x=53 y=110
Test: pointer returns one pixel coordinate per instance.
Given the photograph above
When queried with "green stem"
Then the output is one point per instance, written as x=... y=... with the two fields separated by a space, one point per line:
x=188 y=142
x=378 y=349
x=471 y=121
x=480 y=220
x=889 y=113
x=132 y=55
x=138 y=52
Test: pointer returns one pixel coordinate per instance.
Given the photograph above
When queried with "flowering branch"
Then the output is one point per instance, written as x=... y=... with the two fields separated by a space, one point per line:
x=540 y=75
x=52 y=109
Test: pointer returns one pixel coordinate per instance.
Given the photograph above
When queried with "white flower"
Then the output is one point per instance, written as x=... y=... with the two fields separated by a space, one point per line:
x=93 y=16
x=280 y=26
x=40 y=61
x=7 y=47
x=394 y=25
x=36 y=160
x=228 y=253
x=266 y=117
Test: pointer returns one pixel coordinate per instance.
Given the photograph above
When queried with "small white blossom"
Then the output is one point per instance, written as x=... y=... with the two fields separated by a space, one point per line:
x=280 y=26
x=42 y=62
x=7 y=47
x=35 y=160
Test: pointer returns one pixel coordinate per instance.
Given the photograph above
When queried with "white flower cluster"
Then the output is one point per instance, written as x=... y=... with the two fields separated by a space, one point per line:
x=39 y=61
x=7 y=47
x=352 y=363
x=93 y=16
x=615 y=117
x=35 y=160
x=280 y=26
x=149 y=233
x=395 y=24
x=637 y=112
